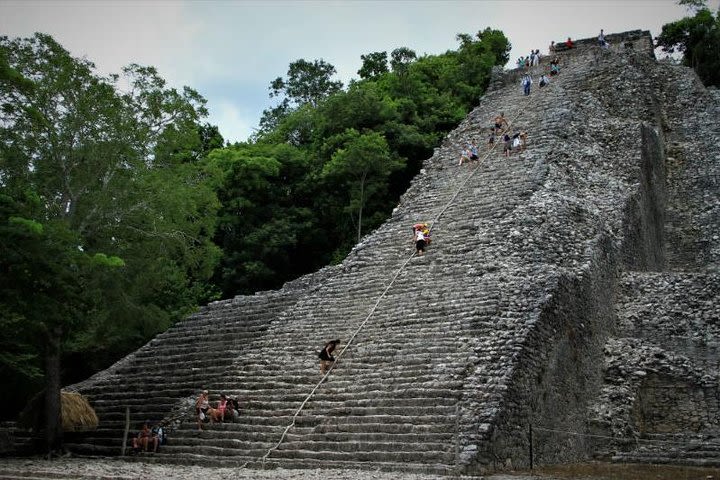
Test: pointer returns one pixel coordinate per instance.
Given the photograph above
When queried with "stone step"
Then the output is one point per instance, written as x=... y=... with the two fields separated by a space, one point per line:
x=664 y=459
x=334 y=392
x=8 y=473
x=274 y=463
x=358 y=365
x=355 y=445
x=369 y=456
x=267 y=399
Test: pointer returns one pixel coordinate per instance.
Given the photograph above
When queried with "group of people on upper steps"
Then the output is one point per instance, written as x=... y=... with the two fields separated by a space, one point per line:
x=513 y=141
x=544 y=79
x=517 y=140
x=530 y=61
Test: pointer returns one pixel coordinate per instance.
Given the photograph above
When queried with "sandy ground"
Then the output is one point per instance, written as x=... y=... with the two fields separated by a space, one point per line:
x=117 y=469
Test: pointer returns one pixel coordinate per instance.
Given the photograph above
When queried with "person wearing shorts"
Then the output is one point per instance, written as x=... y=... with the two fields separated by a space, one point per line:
x=202 y=406
x=326 y=355
x=419 y=242
x=507 y=147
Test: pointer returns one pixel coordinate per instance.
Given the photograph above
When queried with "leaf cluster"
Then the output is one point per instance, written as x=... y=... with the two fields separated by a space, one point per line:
x=107 y=208
x=698 y=39
x=328 y=164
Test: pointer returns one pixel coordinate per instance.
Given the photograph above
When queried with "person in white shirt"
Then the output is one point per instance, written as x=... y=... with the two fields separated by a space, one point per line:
x=419 y=242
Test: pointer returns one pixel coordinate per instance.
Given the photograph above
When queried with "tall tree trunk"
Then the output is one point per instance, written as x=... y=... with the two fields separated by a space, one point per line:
x=362 y=200
x=53 y=423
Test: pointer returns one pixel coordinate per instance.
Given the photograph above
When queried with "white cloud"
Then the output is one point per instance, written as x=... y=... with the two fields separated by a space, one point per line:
x=110 y=33
x=234 y=123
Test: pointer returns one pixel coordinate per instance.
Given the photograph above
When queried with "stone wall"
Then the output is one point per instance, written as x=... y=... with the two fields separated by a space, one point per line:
x=671 y=405
x=608 y=165
x=659 y=399
x=559 y=368
x=644 y=243
x=560 y=371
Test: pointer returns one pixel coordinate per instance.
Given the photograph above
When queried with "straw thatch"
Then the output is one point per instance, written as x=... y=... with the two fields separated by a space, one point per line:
x=77 y=414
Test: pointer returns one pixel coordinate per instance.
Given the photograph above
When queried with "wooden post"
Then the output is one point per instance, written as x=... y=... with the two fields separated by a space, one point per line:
x=127 y=429
x=530 y=438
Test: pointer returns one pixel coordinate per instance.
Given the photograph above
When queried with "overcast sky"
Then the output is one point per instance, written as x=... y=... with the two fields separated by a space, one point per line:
x=230 y=50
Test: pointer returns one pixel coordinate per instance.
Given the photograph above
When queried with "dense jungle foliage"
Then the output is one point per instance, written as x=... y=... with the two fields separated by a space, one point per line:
x=698 y=39
x=121 y=211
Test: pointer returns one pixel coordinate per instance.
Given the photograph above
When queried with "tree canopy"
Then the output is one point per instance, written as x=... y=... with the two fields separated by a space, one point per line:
x=340 y=158
x=106 y=215
x=698 y=39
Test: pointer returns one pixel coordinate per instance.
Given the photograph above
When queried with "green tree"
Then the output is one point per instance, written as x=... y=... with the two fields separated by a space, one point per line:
x=362 y=164
x=400 y=58
x=306 y=82
x=103 y=217
x=306 y=85
x=264 y=224
x=374 y=64
x=210 y=139
x=698 y=39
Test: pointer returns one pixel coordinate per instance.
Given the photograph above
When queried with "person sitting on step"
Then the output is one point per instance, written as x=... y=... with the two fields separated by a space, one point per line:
x=516 y=141
x=233 y=408
x=143 y=439
x=425 y=229
x=202 y=408
x=158 y=436
x=420 y=241
x=218 y=414
x=465 y=155
x=554 y=67
x=474 y=155
x=326 y=357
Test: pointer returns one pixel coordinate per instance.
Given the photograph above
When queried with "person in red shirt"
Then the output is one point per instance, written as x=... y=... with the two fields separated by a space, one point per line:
x=569 y=43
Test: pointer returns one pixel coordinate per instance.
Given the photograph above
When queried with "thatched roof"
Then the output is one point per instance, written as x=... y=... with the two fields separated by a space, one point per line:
x=77 y=414
x=75 y=411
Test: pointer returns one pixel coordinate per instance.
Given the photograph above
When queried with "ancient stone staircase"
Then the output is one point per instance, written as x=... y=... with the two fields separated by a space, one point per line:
x=393 y=399
x=152 y=380
x=499 y=325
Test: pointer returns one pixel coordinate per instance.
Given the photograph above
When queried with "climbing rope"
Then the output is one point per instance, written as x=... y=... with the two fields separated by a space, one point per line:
x=480 y=163
x=389 y=285
x=609 y=437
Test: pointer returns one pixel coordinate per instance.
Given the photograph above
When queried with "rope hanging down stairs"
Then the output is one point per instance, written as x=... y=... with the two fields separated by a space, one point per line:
x=395 y=276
